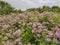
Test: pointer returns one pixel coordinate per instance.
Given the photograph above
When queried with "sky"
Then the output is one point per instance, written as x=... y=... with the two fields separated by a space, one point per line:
x=25 y=4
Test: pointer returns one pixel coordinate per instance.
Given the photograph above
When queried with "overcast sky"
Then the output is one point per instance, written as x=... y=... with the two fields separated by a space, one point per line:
x=23 y=4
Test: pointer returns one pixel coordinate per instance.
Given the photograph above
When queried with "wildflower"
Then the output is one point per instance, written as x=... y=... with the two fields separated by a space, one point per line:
x=17 y=32
x=33 y=31
x=34 y=25
x=39 y=24
x=5 y=27
x=44 y=23
x=22 y=15
x=10 y=35
x=57 y=34
x=55 y=40
x=57 y=28
x=50 y=33
x=47 y=39
x=16 y=20
x=18 y=39
x=39 y=30
x=29 y=44
x=30 y=24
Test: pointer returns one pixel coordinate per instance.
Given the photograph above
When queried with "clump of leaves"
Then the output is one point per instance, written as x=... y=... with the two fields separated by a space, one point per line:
x=49 y=26
x=27 y=35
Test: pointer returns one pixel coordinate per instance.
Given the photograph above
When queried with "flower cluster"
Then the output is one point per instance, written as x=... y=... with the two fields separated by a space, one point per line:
x=29 y=28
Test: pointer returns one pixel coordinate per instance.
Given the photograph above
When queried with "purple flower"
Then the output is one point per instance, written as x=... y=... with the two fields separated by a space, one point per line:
x=34 y=25
x=33 y=31
x=29 y=44
x=17 y=32
x=39 y=30
x=44 y=23
x=18 y=39
x=40 y=26
x=5 y=27
x=30 y=24
x=55 y=40
x=19 y=43
x=57 y=34
x=50 y=33
x=57 y=28
x=16 y=20
x=48 y=39
x=22 y=15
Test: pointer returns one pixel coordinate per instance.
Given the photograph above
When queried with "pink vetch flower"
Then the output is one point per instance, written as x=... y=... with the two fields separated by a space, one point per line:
x=18 y=39
x=31 y=18
x=48 y=39
x=33 y=31
x=29 y=44
x=10 y=35
x=39 y=24
x=44 y=23
x=57 y=28
x=17 y=32
x=30 y=24
x=55 y=40
x=57 y=34
x=22 y=15
x=39 y=30
x=8 y=42
x=50 y=33
x=16 y=20
x=34 y=25
x=5 y=27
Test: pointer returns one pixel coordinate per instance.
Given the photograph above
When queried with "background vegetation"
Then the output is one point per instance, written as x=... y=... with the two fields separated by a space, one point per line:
x=6 y=8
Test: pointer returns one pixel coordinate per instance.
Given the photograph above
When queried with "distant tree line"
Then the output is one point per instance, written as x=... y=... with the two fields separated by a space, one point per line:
x=54 y=9
x=6 y=8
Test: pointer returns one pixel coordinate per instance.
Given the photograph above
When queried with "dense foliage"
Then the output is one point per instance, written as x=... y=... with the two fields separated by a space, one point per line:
x=6 y=8
x=54 y=9
x=29 y=28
